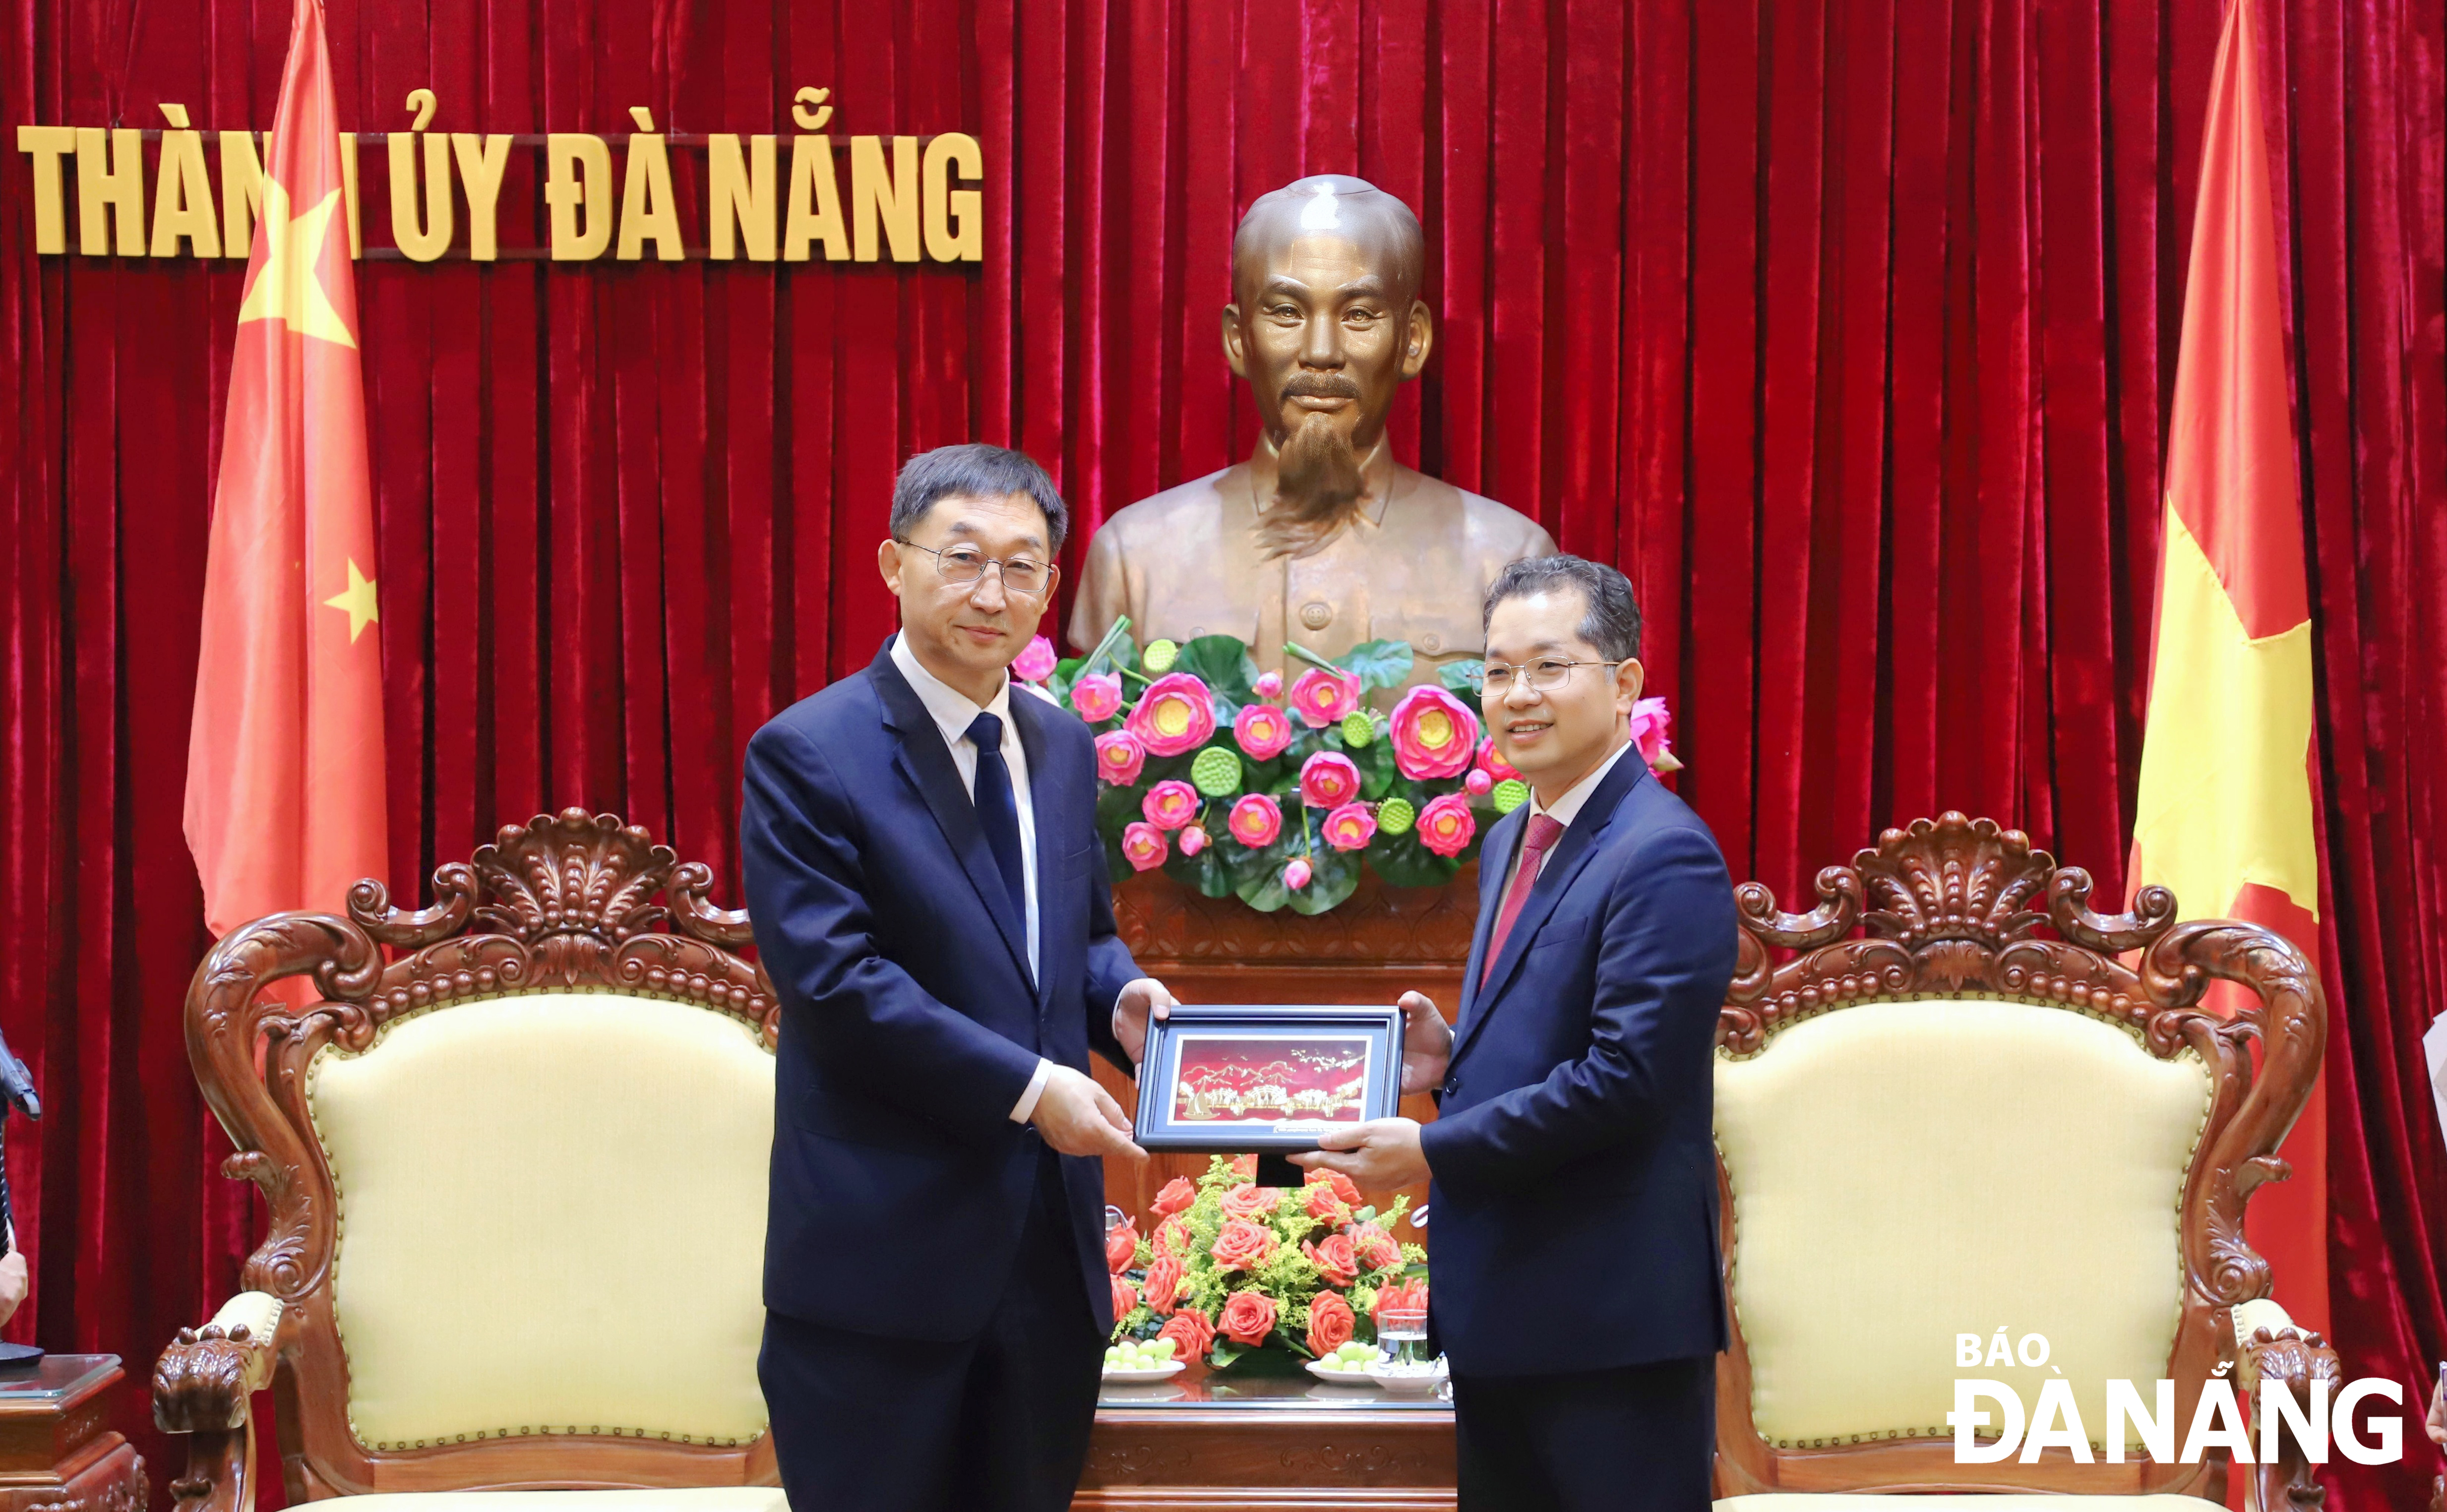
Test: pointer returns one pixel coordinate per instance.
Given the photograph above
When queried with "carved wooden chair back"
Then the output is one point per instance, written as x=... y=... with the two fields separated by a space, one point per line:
x=514 y=1150
x=1947 y=1108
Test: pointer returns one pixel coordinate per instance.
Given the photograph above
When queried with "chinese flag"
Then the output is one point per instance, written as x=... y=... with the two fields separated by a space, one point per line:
x=2225 y=814
x=285 y=756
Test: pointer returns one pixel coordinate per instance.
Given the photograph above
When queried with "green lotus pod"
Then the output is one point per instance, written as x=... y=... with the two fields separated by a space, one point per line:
x=1357 y=728
x=1396 y=816
x=1509 y=794
x=1214 y=771
x=1159 y=656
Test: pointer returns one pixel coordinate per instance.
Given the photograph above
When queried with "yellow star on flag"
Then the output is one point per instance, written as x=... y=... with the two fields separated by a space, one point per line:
x=357 y=601
x=287 y=290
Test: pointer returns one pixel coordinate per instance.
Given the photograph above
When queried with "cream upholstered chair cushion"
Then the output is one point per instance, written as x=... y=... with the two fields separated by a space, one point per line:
x=1904 y=1172
x=674 y=1499
x=1793 y=1502
x=552 y=1218
x=2008 y=1503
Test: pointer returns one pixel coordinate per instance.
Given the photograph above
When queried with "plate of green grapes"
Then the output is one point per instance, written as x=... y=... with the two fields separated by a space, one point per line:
x=1140 y=1360
x=1347 y=1366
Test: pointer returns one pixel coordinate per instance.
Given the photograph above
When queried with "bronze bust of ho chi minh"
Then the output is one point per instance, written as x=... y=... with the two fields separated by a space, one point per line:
x=1321 y=537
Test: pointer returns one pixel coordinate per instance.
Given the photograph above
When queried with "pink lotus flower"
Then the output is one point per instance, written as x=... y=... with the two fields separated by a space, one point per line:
x=1193 y=840
x=1479 y=784
x=1269 y=683
x=1097 y=697
x=1434 y=735
x=1350 y=827
x=1119 y=756
x=1175 y=714
x=1323 y=697
x=1263 y=730
x=1256 y=820
x=1296 y=875
x=1650 y=720
x=1495 y=766
x=1446 y=824
x=1171 y=804
x=1144 y=846
x=1036 y=664
x=1329 y=779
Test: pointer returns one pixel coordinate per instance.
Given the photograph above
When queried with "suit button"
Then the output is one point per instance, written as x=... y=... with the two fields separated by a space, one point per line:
x=1452 y=1085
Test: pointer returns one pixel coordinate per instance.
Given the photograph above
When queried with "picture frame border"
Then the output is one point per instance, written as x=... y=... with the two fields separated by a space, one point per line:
x=1159 y=1133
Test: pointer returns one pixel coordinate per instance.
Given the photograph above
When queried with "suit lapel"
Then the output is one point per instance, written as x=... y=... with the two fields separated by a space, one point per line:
x=1495 y=861
x=1555 y=877
x=1029 y=712
x=925 y=762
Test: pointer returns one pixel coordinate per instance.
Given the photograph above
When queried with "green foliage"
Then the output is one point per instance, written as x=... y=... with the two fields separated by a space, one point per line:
x=1463 y=678
x=1379 y=663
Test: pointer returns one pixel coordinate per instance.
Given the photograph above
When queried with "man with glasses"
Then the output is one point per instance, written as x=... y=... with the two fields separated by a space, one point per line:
x=931 y=903
x=1573 y=1138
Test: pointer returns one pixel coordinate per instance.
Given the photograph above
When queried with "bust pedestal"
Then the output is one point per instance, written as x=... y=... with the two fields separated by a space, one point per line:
x=57 y=1449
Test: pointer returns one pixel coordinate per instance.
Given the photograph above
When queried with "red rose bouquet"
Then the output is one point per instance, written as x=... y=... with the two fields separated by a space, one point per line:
x=1235 y=1268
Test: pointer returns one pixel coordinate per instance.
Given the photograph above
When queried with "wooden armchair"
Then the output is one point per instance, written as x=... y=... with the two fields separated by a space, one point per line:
x=1954 y=1122
x=514 y=1148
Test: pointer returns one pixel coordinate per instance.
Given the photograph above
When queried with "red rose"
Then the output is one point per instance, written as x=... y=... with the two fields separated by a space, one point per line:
x=1191 y=1334
x=1333 y=1260
x=1172 y=1235
x=1374 y=1248
x=1250 y=1200
x=1248 y=1317
x=1400 y=1295
x=1175 y=1197
x=1330 y=1324
x=1244 y=1167
x=1120 y=1245
x=1322 y=1204
x=1344 y=1187
x=1242 y=1245
x=1164 y=1283
x=1125 y=1296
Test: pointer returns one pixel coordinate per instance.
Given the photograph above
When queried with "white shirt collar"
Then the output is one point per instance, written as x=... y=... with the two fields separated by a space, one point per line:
x=1575 y=797
x=952 y=711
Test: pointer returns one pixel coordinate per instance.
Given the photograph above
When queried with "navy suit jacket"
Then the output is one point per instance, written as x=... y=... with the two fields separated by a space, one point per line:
x=1572 y=1213
x=910 y=1026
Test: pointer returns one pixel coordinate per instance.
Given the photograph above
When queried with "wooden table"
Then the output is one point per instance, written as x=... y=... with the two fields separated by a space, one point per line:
x=1266 y=1443
x=57 y=1449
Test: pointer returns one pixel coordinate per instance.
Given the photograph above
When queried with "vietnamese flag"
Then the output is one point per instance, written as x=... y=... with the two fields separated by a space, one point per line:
x=2225 y=810
x=285 y=755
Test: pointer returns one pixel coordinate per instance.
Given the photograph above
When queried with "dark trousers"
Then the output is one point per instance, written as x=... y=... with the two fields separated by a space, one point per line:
x=1639 y=1436
x=998 y=1422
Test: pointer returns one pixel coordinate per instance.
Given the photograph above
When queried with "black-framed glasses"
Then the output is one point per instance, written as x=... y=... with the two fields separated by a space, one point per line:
x=966 y=564
x=1544 y=675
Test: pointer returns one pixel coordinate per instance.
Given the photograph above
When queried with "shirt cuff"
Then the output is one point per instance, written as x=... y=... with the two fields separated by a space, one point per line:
x=1025 y=1108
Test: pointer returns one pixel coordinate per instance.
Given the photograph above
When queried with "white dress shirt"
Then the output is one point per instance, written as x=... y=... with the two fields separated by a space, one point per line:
x=1566 y=807
x=953 y=712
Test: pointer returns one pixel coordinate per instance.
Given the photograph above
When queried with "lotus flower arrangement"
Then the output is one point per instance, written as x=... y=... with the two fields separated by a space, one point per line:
x=1278 y=790
x=1232 y=1272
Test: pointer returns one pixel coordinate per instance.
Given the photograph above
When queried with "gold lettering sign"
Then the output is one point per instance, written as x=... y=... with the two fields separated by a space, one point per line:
x=803 y=197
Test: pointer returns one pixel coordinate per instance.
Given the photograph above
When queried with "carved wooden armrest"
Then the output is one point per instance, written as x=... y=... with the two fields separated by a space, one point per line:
x=201 y=1388
x=2267 y=1345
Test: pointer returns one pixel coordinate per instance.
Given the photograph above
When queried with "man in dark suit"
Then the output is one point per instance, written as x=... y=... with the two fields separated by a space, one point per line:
x=931 y=902
x=1576 y=1290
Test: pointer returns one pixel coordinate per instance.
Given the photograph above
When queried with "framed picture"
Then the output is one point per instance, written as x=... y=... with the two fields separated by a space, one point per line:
x=1266 y=1078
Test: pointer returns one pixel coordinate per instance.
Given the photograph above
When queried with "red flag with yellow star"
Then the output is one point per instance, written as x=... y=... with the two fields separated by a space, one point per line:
x=2223 y=815
x=285 y=755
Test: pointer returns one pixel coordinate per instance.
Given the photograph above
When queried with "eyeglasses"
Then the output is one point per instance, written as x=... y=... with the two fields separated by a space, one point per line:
x=1542 y=676
x=966 y=564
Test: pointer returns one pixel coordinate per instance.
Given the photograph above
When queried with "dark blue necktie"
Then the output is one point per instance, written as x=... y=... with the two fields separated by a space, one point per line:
x=998 y=813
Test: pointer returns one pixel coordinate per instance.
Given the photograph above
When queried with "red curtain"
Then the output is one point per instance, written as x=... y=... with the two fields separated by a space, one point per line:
x=1846 y=328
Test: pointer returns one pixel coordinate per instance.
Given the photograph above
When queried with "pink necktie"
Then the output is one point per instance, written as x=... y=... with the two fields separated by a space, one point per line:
x=1542 y=833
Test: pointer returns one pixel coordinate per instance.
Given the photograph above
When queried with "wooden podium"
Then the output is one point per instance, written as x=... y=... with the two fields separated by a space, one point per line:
x=1259 y=1446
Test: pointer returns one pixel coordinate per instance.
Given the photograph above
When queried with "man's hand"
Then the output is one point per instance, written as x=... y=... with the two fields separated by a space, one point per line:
x=1380 y=1154
x=1077 y=1117
x=13 y=1283
x=1140 y=1001
x=1427 y=1043
x=2437 y=1423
